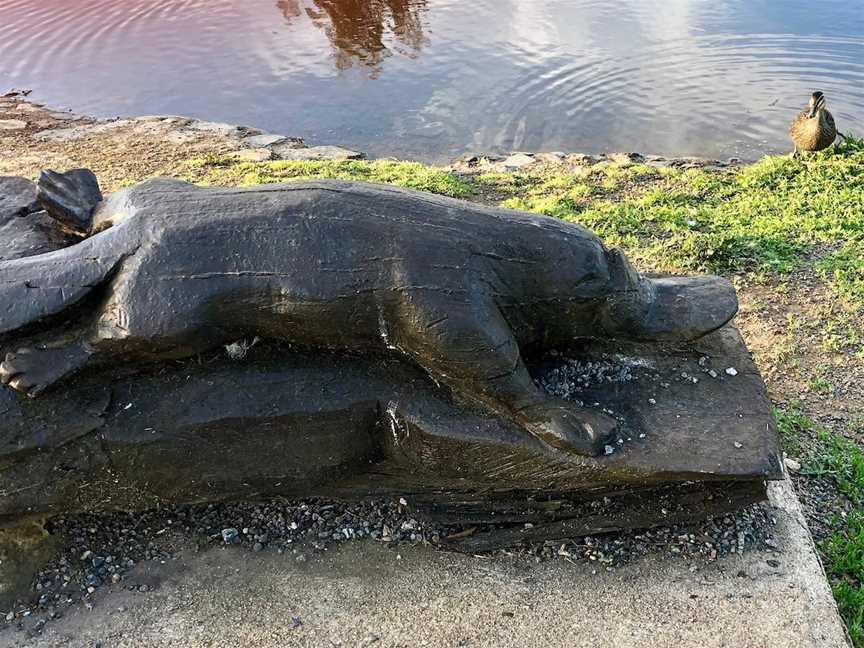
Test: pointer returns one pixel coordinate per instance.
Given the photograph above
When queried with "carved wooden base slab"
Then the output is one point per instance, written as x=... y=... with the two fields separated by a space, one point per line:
x=282 y=421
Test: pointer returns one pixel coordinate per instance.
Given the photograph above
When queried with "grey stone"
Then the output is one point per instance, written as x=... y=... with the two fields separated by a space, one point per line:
x=17 y=197
x=181 y=137
x=552 y=157
x=267 y=139
x=220 y=128
x=583 y=159
x=518 y=161
x=61 y=134
x=792 y=465
x=12 y=124
x=626 y=158
x=82 y=131
x=176 y=120
x=65 y=116
x=69 y=197
x=291 y=152
x=27 y=107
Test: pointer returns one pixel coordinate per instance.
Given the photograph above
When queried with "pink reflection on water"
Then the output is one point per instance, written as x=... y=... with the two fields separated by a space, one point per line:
x=356 y=28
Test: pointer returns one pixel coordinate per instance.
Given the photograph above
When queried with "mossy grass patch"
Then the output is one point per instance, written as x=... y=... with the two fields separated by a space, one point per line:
x=772 y=216
x=226 y=171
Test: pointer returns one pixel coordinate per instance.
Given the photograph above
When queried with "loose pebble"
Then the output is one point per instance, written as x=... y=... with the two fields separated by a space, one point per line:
x=792 y=465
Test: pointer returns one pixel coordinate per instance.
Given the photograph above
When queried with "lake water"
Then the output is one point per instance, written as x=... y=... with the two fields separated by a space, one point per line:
x=434 y=79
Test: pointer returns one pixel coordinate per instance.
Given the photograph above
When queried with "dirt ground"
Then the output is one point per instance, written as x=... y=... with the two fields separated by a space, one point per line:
x=804 y=340
x=120 y=153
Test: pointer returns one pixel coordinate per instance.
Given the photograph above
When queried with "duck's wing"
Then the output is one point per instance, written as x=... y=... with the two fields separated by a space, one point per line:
x=796 y=124
x=793 y=127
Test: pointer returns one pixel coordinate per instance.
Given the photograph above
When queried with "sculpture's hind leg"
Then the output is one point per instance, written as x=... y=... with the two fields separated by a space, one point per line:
x=32 y=371
x=470 y=347
x=138 y=321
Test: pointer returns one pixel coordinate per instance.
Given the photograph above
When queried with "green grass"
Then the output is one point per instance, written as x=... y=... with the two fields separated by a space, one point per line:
x=835 y=457
x=228 y=172
x=843 y=461
x=820 y=385
x=845 y=557
x=794 y=428
x=844 y=269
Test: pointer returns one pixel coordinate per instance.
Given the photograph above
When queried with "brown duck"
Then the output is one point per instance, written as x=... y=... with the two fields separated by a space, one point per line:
x=813 y=129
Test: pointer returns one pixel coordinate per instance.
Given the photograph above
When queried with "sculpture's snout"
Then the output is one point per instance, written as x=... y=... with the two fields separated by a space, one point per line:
x=672 y=309
x=690 y=307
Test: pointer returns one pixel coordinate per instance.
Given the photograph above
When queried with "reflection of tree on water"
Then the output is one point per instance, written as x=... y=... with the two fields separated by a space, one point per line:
x=357 y=28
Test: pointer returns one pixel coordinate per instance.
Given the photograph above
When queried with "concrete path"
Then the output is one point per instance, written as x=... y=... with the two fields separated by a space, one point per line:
x=363 y=594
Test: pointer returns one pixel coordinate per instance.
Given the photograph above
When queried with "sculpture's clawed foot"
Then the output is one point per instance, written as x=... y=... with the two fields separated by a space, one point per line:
x=566 y=427
x=32 y=371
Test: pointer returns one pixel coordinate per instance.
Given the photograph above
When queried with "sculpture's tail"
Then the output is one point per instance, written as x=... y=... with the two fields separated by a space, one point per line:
x=32 y=288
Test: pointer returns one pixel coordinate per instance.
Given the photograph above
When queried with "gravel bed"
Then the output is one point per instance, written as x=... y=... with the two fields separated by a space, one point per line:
x=99 y=549
x=567 y=378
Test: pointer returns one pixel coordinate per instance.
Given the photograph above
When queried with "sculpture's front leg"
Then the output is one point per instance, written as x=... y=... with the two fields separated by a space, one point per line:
x=469 y=346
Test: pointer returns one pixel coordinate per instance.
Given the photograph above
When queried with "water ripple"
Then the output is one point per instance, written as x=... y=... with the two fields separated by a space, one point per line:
x=434 y=78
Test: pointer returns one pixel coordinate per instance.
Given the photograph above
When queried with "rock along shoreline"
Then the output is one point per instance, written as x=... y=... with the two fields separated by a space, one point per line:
x=42 y=125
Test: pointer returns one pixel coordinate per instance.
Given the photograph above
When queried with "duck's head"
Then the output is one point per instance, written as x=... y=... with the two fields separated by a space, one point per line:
x=817 y=103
